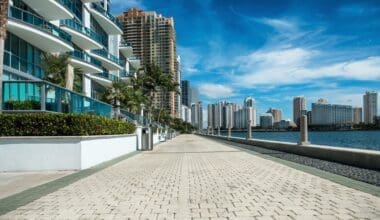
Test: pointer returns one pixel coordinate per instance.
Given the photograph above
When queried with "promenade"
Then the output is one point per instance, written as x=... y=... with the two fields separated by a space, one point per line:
x=192 y=177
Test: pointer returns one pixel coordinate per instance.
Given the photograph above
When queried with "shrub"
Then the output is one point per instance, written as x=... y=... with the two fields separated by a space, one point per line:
x=22 y=105
x=46 y=124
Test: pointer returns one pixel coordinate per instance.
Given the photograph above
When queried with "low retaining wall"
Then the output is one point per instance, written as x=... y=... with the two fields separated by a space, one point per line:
x=368 y=159
x=62 y=153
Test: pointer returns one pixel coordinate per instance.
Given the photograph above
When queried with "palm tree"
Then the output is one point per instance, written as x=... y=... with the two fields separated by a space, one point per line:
x=3 y=35
x=56 y=69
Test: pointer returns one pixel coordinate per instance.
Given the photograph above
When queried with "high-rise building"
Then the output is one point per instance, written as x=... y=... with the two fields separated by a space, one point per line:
x=186 y=113
x=369 y=107
x=153 y=39
x=197 y=115
x=85 y=31
x=328 y=114
x=210 y=116
x=186 y=93
x=228 y=116
x=266 y=121
x=249 y=102
x=276 y=113
x=358 y=115
x=299 y=105
x=194 y=97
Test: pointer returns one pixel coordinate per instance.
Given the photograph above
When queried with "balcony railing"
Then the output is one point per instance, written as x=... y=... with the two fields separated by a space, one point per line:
x=84 y=30
x=38 y=22
x=23 y=65
x=101 y=10
x=124 y=43
x=108 y=76
x=105 y=54
x=44 y=96
x=85 y=57
x=133 y=117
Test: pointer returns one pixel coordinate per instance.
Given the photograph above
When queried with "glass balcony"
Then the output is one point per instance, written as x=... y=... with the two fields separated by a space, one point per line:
x=85 y=62
x=82 y=36
x=43 y=96
x=108 y=76
x=108 y=22
x=126 y=48
x=23 y=65
x=108 y=60
x=52 y=9
x=38 y=31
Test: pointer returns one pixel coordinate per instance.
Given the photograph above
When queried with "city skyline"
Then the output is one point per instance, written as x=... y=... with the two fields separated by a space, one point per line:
x=334 y=58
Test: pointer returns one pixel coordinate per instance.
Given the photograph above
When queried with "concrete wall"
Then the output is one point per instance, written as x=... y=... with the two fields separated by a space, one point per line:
x=368 y=159
x=156 y=139
x=61 y=153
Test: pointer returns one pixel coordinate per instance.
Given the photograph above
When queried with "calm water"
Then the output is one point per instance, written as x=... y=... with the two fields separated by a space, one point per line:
x=353 y=139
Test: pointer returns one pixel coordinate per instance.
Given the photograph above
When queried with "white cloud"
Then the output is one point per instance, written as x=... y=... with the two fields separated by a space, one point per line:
x=189 y=60
x=294 y=66
x=279 y=24
x=216 y=90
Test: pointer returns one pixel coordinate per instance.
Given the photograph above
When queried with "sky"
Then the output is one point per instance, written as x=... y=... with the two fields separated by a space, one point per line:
x=274 y=50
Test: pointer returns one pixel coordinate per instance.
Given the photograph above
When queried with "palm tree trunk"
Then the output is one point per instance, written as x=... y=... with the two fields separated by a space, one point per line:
x=69 y=77
x=1 y=72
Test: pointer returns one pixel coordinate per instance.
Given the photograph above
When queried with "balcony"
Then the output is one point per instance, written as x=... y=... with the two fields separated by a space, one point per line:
x=29 y=96
x=108 y=22
x=84 y=37
x=38 y=31
x=52 y=9
x=109 y=61
x=135 y=63
x=85 y=62
x=104 y=78
x=126 y=49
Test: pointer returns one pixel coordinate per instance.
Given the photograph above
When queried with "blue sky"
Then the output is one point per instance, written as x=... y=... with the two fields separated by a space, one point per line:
x=274 y=50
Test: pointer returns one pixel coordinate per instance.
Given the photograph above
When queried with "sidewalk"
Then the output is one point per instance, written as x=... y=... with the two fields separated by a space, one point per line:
x=191 y=177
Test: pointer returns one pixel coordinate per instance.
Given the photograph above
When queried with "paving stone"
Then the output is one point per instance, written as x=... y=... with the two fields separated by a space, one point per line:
x=192 y=177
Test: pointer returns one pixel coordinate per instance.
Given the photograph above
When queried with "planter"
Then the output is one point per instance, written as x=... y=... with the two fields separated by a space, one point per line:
x=61 y=152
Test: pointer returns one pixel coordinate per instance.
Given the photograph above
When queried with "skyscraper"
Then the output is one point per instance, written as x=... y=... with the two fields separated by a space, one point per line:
x=299 y=105
x=153 y=39
x=276 y=113
x=358 y=115
x=197 y=115
x=328 y=114
x=370 y=107
x=185 y=93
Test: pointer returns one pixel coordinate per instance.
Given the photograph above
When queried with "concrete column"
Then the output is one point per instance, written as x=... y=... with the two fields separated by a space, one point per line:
x=229 y=133
x=303 y=131
x=43 y=97
x=69 y=77
x=249 y=130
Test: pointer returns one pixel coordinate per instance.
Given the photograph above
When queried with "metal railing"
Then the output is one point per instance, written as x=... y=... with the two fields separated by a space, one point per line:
x=38 y=22
x=105 y=54
x=84 y=30
x=85 y=57
x=108 y=76
x=101 y=10
x=41 y=95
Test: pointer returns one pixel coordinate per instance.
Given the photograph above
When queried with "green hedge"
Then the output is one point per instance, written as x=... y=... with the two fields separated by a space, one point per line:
x=44 y=124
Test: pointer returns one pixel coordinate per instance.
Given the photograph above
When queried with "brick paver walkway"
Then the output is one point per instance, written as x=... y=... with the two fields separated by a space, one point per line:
x=193 y=177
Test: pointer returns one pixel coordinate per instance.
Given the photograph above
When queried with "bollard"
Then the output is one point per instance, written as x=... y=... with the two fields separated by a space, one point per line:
x=218 y=130
x=249 y=130
x=303 y=131
x=229 y=133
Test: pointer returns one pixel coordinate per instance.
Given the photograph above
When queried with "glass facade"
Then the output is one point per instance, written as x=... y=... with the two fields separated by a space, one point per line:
x=22 y=56
x=95 y=26
x=41 y=95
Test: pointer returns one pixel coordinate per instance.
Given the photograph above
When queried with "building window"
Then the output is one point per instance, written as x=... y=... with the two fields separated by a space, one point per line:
x=22 y=56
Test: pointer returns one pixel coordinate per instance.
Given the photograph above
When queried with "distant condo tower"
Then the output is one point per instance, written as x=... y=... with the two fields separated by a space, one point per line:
x=358 y=115
x=370 y=107
x=153 y=40
x=299 y=107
